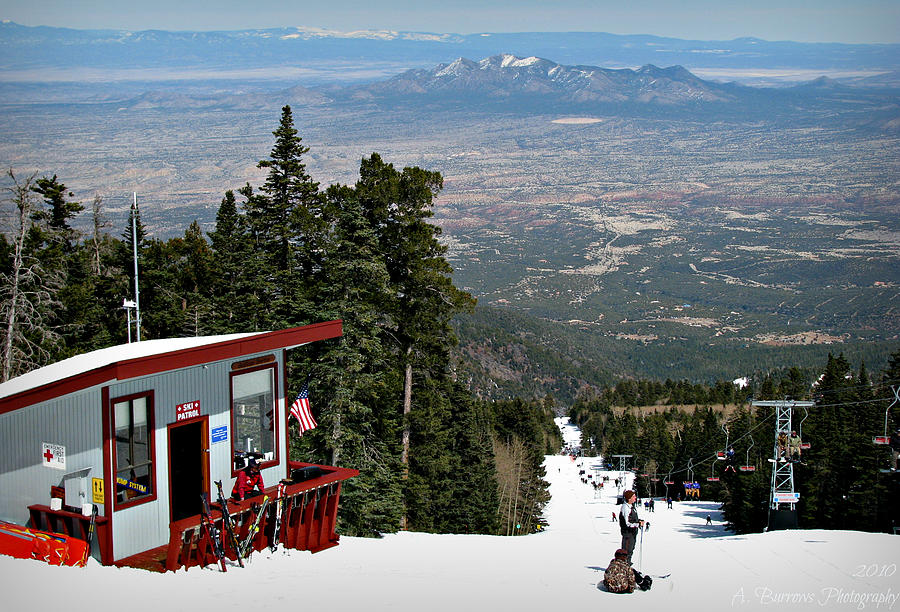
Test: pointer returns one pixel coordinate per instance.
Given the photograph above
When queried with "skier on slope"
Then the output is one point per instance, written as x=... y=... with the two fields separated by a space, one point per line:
x=629 y=523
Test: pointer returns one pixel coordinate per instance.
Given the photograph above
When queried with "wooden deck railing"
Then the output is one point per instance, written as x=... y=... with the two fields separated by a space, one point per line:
x=72 y=524
x=309 y=515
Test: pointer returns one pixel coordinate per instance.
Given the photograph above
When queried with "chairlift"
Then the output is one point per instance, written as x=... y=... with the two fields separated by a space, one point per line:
x=712 y=476
x=747 y=467
x=668 y=481
x=886 y=438
x=720 y=455
x=803 y=445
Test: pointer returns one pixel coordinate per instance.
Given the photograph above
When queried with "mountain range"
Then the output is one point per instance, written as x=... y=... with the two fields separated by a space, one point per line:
x=344 y=54
x=505 y=76
x=510 y=83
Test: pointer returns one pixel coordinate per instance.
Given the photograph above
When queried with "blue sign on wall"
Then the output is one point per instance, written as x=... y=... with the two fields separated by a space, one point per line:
x=220 y=434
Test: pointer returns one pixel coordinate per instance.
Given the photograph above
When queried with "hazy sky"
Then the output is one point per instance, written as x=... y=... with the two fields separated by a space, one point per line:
x=799 y=20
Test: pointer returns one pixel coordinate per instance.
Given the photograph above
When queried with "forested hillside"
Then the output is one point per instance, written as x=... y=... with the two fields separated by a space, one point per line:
x=287 y=253
x=838 y=475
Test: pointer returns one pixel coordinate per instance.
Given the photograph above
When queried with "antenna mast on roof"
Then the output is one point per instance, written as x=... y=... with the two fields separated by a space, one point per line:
x=137 y=292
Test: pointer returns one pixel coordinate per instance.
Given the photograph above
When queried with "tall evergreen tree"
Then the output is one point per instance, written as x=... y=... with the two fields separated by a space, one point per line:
x=284 y=217
x=237 y=294
x=398 y=206
x=356 y=426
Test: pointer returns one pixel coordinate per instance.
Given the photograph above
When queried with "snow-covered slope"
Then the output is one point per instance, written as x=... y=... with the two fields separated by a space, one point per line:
x=554 y=570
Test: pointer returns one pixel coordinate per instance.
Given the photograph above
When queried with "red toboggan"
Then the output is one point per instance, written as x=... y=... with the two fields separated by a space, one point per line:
x=54 y=548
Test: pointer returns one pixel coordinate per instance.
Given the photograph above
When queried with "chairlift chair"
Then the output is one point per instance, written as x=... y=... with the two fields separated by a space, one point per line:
x=712 y=477
x=886 y=438
x=803 y=445
x=747 y=467
x=721 y=455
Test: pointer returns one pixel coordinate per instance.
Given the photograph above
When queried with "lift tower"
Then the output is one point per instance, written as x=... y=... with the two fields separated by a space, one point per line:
x=782 y=497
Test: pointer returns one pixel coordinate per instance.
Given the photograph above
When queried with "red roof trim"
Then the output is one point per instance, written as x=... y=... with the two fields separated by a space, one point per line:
x=174 y=360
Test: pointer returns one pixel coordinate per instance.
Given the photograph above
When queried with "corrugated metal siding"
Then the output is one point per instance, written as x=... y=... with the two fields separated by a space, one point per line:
x=75 y=422
x=147 y=525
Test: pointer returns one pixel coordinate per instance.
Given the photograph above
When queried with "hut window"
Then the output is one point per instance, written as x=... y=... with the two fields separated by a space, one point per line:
x=133 y=422
x=253 y=415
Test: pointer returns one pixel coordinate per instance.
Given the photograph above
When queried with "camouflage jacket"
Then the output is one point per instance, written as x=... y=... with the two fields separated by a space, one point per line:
x=619 y=577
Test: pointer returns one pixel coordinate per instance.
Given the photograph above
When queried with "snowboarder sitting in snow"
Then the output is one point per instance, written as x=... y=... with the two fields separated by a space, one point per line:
x=618 y=577
x=248 y=479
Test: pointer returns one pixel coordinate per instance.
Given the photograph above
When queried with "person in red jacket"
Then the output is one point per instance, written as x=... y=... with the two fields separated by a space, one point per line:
x=248 y=479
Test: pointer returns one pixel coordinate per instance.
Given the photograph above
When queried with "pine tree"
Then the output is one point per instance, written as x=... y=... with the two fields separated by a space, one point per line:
x=397 y=206
x=357 y=422
x=284 y=218
x=832 y=459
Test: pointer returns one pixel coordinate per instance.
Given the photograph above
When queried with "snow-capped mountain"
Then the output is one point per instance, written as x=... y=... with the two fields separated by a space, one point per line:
x=509 y=77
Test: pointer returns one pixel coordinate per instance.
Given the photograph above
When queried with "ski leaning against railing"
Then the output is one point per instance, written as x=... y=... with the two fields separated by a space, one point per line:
x=229 y=524
x=279 y=509
x=90 y=533
x=212 y=531
x=247 y=545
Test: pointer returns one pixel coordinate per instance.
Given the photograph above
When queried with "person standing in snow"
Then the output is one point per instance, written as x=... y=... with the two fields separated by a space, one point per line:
x=629 y=523
x=619 y=578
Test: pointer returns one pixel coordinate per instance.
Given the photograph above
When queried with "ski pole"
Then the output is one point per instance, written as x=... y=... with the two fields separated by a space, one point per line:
x=641 y=553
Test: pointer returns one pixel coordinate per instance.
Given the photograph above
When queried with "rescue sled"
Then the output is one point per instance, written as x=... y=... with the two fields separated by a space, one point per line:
x=54 y=548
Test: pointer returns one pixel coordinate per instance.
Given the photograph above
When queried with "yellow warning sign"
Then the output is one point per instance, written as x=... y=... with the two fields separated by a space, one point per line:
x=98 y=490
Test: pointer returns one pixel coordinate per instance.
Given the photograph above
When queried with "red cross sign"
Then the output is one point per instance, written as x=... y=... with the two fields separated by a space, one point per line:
x=53 y=455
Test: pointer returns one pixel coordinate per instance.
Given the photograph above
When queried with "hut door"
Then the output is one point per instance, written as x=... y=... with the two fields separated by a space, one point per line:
x=188 y=467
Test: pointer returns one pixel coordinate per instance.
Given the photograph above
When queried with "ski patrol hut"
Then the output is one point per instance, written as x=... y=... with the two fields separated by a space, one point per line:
x=140 y=430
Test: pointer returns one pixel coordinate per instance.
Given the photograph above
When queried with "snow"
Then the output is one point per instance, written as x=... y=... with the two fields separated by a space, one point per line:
x=80 y=364
x=512 y=60
x=557 y=569
x=93 y=360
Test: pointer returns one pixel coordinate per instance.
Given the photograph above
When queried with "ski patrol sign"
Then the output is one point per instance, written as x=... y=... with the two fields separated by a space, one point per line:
x=186 y=411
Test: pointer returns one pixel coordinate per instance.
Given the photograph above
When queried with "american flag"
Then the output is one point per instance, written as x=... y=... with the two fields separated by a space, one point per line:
x=300 y=410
